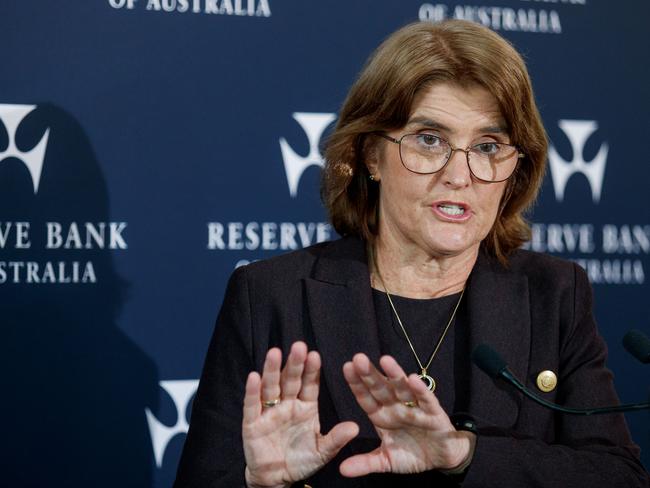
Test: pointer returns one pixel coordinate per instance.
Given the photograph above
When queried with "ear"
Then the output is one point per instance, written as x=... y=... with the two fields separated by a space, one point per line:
x=371 y=158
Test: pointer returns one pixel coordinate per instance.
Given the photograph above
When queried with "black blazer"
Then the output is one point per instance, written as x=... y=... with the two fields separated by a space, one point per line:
x=536 y=313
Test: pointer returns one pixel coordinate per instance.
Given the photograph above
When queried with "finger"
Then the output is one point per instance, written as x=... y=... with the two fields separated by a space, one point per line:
x=290 y=378
x=310 y=378
x=360 y=390
x=377 y=384
x=363 y=464
x=397 y=379
x=252 y=405
x=426 y=399
x=330 y=444
x=271 y=374
x=391 y=367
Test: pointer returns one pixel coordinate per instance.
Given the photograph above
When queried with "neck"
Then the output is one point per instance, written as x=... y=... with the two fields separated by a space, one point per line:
x=414 y=273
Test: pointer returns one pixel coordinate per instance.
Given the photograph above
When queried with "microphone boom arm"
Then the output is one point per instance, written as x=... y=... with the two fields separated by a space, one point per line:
x=507 y=375
x=495 y=367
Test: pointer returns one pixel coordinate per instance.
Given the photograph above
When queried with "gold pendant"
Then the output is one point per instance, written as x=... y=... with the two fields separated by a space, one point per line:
x=428 y=380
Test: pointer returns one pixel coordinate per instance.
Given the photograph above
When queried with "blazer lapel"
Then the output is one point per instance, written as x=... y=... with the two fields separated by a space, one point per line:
x=499 y=316
x=342 y=314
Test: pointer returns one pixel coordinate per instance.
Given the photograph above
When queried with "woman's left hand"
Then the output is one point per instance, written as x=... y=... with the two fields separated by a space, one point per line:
x=415 y=438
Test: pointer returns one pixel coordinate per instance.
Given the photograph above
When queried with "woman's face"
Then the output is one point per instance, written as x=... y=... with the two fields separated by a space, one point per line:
x=450 y=212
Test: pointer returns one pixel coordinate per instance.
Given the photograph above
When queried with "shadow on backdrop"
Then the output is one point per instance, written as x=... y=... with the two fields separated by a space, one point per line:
x=73 y=407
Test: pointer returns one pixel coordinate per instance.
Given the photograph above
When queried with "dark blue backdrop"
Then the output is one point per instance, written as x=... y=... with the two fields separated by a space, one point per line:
x=145 y=151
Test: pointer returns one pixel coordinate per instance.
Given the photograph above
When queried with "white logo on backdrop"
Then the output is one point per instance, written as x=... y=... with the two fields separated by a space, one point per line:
x=314 y=124
x=11 y=116
x=181 y=391
x=578 y=131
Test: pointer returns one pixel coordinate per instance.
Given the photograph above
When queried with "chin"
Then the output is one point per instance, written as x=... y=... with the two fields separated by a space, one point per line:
x=448 y=250
x=452 y=245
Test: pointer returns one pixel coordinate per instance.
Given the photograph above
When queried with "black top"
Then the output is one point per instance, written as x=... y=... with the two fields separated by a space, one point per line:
x=425 y=321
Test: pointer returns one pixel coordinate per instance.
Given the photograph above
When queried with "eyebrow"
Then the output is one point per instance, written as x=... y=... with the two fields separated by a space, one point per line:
x=432 y=124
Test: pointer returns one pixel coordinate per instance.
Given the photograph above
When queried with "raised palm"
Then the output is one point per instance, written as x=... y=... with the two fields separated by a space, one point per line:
x=282 y=442
x=414 y=438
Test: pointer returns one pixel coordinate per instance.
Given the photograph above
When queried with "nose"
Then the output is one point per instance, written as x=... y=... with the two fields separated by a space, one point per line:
x=456 y=173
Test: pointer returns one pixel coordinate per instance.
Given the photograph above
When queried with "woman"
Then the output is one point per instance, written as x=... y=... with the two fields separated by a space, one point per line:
x=438 y=150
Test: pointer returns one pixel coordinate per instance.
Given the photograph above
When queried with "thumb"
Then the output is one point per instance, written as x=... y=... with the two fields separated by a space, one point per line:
x=329 y=445
x=363 y=464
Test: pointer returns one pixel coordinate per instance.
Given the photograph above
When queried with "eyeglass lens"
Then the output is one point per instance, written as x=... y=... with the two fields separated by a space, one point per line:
x=489 y=161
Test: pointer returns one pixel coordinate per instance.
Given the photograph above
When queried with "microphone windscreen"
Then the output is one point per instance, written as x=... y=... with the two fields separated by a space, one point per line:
x=488 y=360
x=638 y=345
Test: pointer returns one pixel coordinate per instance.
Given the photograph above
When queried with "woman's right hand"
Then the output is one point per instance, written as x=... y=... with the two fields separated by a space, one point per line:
x=282 y=442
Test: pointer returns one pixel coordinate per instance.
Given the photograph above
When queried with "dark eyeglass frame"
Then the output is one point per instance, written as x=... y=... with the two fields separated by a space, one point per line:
x=452 y=150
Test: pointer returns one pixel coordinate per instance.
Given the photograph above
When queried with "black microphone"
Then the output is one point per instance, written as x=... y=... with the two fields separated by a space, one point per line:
x=638 y=345
x=495 y=367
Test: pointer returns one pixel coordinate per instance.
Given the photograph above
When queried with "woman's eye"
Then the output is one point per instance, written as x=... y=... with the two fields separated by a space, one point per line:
x=487 y=147
x=429 y=140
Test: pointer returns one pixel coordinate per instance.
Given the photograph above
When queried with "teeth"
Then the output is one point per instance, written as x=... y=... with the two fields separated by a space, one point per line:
x=452 y=209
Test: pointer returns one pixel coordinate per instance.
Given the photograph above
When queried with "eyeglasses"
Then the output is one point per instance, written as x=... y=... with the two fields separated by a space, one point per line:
x=426 y=153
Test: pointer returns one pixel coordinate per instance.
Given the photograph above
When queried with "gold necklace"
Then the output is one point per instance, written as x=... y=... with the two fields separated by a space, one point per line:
x=424 y=376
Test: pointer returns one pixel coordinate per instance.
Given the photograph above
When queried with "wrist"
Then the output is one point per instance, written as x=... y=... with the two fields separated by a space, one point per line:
x=252 y=483
x=469 y=439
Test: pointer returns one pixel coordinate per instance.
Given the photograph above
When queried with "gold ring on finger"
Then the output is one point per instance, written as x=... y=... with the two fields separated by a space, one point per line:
x=410 y=404
x=270 y=403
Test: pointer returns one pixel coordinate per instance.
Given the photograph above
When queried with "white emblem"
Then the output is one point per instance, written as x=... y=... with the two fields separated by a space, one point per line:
x=11 y=116
x=180 y=391
x=578 y=131
x=314 y=124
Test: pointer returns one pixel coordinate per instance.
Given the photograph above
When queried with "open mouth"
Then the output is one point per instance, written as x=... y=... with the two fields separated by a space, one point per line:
x=451 y=209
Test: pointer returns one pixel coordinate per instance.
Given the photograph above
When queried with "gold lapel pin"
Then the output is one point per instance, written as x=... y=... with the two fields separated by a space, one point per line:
x=546 y=381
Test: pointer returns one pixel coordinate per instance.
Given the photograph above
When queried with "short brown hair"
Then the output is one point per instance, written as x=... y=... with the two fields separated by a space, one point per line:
x=417 y=56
